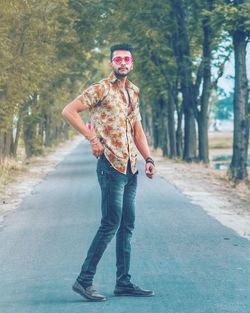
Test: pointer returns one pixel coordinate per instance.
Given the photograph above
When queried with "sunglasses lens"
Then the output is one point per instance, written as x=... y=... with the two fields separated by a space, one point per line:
x=118 y=60
x=128 y=59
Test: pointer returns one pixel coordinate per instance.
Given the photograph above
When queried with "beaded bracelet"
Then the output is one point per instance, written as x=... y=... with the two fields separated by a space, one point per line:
x=150 y=160
x=94 y=141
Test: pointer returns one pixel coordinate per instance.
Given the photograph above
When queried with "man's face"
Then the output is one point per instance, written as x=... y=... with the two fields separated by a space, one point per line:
x=122 y=63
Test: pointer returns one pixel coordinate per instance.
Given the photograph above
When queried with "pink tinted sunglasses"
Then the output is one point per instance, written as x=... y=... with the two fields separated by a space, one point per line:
x=118 y=60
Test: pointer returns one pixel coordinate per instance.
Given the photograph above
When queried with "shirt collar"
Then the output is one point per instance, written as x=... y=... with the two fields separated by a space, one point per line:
x=112 y=78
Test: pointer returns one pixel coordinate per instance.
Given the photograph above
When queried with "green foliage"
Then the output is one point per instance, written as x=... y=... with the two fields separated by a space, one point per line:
x=54 y=49
x=223 y=108
x=231 y=16
x=40 y=54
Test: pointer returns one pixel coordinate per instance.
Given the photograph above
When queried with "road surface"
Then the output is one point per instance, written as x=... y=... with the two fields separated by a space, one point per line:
x=194 y=264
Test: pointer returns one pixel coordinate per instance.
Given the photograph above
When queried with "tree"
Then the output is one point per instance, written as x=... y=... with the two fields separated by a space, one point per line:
x=37 y=69
x=183 y=59
x=235 y=15
x=176 y=44
x=241 y=35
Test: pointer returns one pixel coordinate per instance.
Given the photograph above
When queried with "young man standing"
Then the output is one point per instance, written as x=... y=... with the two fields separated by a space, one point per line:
x=115 y=137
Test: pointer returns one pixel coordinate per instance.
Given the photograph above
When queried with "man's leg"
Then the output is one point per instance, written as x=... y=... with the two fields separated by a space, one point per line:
x=123 y=248
x=112 y=187
x=124 y=234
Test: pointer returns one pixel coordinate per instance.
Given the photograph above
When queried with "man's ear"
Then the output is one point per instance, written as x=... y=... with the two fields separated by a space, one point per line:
x=110 y=65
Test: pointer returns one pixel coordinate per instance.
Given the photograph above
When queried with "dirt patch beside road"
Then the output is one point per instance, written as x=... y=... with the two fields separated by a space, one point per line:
x=210 y=189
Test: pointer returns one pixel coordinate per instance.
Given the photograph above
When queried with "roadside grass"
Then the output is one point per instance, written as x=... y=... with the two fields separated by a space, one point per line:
x=8 y=171
x=10 y=168
x=220 y=140
x=220 y=143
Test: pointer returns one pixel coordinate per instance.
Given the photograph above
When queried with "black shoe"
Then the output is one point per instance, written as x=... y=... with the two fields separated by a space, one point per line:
x=132 y=291
x=89 y=292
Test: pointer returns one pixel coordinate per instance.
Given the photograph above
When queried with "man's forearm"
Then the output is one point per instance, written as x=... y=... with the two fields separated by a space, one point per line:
x=76 y=121
x=141 y=143
x=142 y=146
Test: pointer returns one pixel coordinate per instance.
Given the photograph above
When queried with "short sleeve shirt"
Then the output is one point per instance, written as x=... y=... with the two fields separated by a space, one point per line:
x=113 y=119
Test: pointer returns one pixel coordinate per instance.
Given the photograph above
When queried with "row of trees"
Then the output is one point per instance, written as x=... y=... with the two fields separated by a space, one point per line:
x=41 y=61
x=51 y=47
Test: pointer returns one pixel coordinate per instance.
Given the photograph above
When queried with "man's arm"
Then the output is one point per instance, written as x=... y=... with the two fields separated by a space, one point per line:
x=72 y=114
x=142 y=146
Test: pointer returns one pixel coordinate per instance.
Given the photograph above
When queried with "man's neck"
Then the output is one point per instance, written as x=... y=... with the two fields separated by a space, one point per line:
x=122 y=81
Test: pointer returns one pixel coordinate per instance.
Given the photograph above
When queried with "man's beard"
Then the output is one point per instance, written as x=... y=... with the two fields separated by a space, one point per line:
x=120 y=75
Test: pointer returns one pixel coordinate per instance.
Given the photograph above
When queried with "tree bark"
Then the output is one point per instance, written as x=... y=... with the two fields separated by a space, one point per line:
x=190 y=144
x=14 y=145
x=171 y=124
x=163 y=116
x=31 y=119
x=179 y=133
x=5 y=144
x=48 y=131
x=29 y=136
x=206 y=89
x=238 y=166
x=155 y=128
x=183 y=60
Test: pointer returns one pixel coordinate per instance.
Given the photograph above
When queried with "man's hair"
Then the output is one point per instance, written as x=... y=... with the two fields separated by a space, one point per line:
x=122 y=46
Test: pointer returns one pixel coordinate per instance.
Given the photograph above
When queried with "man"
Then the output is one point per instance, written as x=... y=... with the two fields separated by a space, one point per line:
x=117 y=132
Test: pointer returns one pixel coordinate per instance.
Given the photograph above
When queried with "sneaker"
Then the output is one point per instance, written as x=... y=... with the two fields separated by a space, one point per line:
x=133 y=291
x=89 y=292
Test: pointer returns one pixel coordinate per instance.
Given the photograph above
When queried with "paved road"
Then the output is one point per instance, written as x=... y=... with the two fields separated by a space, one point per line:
x=194 y=264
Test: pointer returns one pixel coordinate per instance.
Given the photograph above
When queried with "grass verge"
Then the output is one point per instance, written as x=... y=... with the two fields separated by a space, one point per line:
x=8 y=170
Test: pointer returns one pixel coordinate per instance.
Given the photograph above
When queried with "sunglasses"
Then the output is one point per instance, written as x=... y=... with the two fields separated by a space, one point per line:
x=118 y=60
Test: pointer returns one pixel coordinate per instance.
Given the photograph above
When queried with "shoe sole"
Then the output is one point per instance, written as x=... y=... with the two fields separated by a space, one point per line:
x=132 y=295
x=87 y=296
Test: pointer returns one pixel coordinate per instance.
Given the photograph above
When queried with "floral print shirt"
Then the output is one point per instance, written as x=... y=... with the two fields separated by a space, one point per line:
x=113 y=119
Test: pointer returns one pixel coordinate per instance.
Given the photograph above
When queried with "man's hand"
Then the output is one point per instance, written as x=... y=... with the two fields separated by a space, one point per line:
x=150 y=170
x=97 y=148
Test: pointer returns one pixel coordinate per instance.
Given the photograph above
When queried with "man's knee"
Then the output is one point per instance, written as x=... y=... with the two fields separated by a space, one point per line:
x=111 y=224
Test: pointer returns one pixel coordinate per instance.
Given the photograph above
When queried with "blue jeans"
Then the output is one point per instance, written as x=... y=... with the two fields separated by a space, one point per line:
x=118 y=217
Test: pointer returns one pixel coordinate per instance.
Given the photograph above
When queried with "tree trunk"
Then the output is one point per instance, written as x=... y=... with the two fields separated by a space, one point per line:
x=179 y=135
x=171 y=124
x=163 y=116
x=48 y=131
x=148 y=124
x=202 y=116
x=203 y=138
x=190 y=144
x=29 y=135
x=31 y=119
x=143 y=113
x=238 y=166
x=183 y=60
x=14 y=145
x=5 y=144
x=155 y=127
